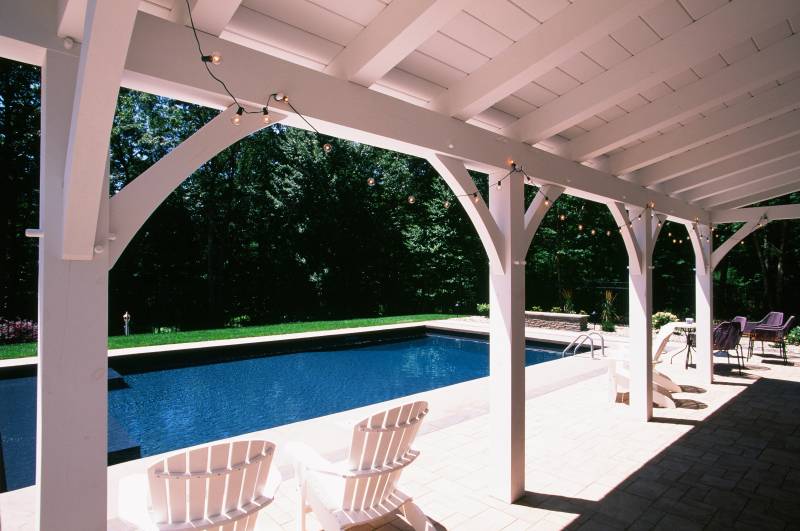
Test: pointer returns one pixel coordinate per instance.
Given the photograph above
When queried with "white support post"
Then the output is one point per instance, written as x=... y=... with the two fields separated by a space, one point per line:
x=639 y=240
x=72 y=408
x=700 y=236
x=507 y=342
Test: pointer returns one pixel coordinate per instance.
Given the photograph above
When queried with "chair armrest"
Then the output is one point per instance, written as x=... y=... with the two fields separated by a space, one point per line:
x=306 y=458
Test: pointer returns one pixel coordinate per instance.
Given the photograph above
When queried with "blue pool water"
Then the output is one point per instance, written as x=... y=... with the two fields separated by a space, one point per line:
x=173 y=408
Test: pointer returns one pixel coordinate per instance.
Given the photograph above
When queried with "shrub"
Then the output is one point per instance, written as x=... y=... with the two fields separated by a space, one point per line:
x=608 y=326
x=165 y=329
x=608 y=314
x=556 y=309
x=659 y=319
x=18 y=331
x=238 y=321
x=794 y=336
x=566 y=295
x=483 y=308
x=536 y=309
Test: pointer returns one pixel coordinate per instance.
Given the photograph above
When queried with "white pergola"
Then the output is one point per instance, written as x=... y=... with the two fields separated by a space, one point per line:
x=684 y=110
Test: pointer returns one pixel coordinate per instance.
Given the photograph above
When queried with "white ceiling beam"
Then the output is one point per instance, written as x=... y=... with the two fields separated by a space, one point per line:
x=71 y=16
x=743 y=178
x=717 y=31
x=744 y=161
x=109 y=26
x=211 y=16
x=748 y=139
x=727 y=121
x=542 y=49
x=771 y=188
x=397 y=31
x=773 y=63
x=772 y=213
x=345 y=110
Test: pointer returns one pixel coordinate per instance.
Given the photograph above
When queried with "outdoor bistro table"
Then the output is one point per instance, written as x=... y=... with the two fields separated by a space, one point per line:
x=689 y=328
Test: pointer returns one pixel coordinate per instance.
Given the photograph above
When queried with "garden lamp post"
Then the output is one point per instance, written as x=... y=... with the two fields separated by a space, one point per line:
x=126 y=318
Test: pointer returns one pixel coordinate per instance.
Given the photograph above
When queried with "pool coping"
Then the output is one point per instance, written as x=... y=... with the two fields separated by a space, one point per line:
x=453 y=324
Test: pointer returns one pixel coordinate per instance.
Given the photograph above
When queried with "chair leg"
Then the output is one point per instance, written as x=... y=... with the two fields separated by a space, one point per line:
x=416 y=517
x=301 y=506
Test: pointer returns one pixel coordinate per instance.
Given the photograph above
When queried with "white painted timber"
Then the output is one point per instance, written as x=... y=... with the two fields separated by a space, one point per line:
x=542 y=49
x=769 y=188
x=701 y=238
x=460 y=182
x=717 y=31
x=107 y=34
x=397 y=31
x=536 y=212
x=212 y=16
x=748 y=139
x=132 y=205
x=507 y=345
x=622 y=219
x=743 y=178
x=758 y=109
x=746 y=214
x=733 y=240
x=71 y=16
x=716 y=173
x=359 y=114
x=71 y=401
x=725 y=84
x=640 y=310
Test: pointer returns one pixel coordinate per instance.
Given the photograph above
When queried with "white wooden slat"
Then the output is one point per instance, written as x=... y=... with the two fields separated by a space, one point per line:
x=177 y=489
x=263 y=471
x=233 y=493
x=198 y=487
x=216 y=488
x=228 y=527
x=251 y=472
x=364 y=485
x=383 y=452
x=158 y=494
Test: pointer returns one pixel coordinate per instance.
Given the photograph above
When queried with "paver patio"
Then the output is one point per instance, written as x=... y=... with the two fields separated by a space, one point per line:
x=728 y=458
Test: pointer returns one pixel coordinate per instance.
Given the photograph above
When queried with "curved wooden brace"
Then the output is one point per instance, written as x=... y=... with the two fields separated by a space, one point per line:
x=131 y=207
x=536 y=213
x=457 y=177
x=702 y=248
x=730 y=243
x=635 y=252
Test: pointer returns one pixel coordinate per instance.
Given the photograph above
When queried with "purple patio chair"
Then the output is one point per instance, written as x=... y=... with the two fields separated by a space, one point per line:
x=726 y=337
x=774 y=334
x=771 y=319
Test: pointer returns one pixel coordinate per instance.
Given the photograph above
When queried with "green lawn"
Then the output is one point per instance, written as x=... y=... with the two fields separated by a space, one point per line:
x=22 y=350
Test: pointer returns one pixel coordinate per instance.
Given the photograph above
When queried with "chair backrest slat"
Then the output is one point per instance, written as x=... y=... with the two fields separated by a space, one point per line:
x=379 y=442
x=207 y=482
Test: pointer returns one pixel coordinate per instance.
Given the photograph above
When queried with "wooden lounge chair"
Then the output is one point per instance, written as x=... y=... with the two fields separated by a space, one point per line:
x=220 y=487
x=363 y=488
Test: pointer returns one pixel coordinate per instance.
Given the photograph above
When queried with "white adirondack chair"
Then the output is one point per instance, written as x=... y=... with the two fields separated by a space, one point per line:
x=220 y=487
x=363 y=488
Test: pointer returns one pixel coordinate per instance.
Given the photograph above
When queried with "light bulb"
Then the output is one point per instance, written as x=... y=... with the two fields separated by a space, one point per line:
x=669 y=234
x=236 y=119
x=499 y=184
x=265 y=113
x=608 y=233
x=674 y=240
x=327 y=148
x=511 y=162
x=280 y=96
x=447 y=204
x=412 y=200
x=371 y=181
x=680 y=241
x=580 y=226
x=546 y=202
x=528 y=179
x=476 y=197
x=214 y=58
x=594 y=232
x=562 y=217
x=640 y=216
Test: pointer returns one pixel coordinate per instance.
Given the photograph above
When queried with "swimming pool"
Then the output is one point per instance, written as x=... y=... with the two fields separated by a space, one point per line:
x=179 y=406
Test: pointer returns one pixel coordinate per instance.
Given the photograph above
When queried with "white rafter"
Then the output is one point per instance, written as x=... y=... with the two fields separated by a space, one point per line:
x=71 y=16
x=108 y=31
x=397 y=31
x=748 y=139
x=727 y=121
x=746 y=214
x=743 y=178
x=770 y=188
x=715 y=32
x=728 y=83
x=211 y=16
x=542 y=49
x=744 y=161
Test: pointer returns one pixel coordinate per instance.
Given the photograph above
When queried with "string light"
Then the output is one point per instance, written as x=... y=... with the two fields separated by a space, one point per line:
x=214 y=58
x=475 y=197
x=608 y=233
x=499 y=184
x=236 y=119
x=412 y=200
x=580 y=226
x=562 y=217
x=546 y=201
x=265 y=115
x=327 y=148
x=446 y=204
x=594 y=232
x=371 y=181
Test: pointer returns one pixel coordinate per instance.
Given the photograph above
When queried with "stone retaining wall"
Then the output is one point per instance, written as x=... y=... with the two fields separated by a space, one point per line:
x=559 y=321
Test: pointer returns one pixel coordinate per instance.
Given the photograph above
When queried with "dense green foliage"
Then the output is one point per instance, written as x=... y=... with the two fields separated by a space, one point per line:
x=273 y=230
x=21 y=350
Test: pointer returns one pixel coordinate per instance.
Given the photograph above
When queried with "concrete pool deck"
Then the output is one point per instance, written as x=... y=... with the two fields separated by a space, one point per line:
x=588 y=463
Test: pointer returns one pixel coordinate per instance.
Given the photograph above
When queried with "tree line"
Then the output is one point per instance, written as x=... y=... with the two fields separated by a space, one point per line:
x=273 y=230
